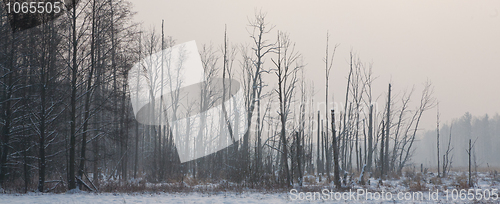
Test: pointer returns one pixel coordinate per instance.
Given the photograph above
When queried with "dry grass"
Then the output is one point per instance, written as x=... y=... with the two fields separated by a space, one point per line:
x=479 y=169
x=417 y=186
x=310 y=179
x=461 y=181
x=394 y=175
x=436 y=180
x=414 y=181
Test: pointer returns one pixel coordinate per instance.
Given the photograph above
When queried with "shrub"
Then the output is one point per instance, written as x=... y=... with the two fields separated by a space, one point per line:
x=461 y=182
x=418 y=186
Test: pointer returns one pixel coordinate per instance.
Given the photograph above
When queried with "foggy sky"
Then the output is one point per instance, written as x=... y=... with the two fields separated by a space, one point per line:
x=454 y=44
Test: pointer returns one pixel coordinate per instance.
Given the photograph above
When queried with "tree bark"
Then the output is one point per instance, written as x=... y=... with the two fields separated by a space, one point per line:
x=370 y=139
x=437 y=140
x=74 y=72
x=387 y=128
x=382 y=143
x=336 y=167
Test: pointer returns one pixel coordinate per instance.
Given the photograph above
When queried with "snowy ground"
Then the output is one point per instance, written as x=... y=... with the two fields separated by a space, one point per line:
x=431 y=189
x=183 y=198
x=144 y=198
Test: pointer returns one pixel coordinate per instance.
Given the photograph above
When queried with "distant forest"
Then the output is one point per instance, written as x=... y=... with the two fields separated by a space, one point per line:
x=483 y=130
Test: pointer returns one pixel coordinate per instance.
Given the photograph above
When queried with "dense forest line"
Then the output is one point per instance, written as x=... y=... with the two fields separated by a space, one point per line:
x=67 y=121
x=483 y=130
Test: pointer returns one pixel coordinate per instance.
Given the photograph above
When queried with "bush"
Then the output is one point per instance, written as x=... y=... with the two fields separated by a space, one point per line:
x=461 y=182
x=310 y=179
x=436 y=180
x=418 y=186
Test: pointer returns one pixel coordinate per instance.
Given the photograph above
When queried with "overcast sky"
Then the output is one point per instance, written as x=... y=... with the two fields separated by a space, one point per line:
x=453 y=43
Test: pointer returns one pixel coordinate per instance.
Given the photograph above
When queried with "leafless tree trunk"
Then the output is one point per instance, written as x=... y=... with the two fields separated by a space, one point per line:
x=336 y=167
x=87 y=100
x=286 y=73
x=469 y=152
x=426 y=102
x=47 y=66
x=437 y=140
x=318 y=160
x=74 y=72
x=327 y=153
x=388 y=127
x=136 y=159
x=446 y=157
x=262 y=48
x=370 y=139
x=298 y=153
x=345 y=129
x=397 y=150
x=382 y=143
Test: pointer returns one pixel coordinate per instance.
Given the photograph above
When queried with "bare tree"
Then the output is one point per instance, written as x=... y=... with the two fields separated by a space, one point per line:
x=328 y=67
x=88 y=92
x=370 y=140
x=319 y=162
x=437 y=138
x=400 y=125
x=73 y=103
x=336 y=166
x=447 y=161
x=344 y=132
x=261 y=47
x=382 y=143
x=387 y=128
x=469 y=152
x=427 y=101
x=286 y=70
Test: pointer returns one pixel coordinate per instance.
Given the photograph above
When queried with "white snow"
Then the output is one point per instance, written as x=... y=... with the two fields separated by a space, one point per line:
x=221 y=197
x=144 y=198
x=485 y=181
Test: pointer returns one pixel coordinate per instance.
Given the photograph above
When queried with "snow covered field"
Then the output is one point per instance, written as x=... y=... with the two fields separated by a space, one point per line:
x=144 y=198
x=413 y=188
x=180 y=198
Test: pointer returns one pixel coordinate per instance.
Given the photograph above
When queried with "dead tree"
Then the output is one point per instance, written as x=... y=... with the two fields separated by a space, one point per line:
x=437 y=130
x=427 y=101
x=387 y=128
x=469 y=152
x=370 y=140
x=446 y=157
x=344 y=129
x=381 y=161
x=328 y=68
x=400 y=125
x=298 y=153
x=357 y=89
x=318 y=160
x=73 y=105
x=87 y=98
x=327 y=153
x=286 y=71
x=367 y=89
x=470 y=164
x=336 y=167
x=254 y=85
